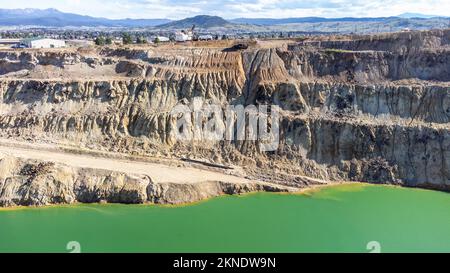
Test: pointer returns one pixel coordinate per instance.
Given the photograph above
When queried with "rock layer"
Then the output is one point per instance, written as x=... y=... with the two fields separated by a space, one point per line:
x=37 y=183
x=371 y=109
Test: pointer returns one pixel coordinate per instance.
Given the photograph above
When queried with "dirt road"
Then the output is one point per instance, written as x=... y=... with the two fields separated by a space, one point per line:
x=159 y=173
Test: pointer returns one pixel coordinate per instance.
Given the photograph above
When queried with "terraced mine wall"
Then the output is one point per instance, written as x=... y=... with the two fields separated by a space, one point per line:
x=373 y=110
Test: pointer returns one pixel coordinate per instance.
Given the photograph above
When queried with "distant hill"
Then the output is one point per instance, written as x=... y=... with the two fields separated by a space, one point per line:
x=299 y=20
x=283 y=21
x=200 y=21
x=417 y=15
x=55 y=18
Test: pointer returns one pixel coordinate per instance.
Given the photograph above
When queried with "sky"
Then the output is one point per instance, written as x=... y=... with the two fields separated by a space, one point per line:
x=229 y=9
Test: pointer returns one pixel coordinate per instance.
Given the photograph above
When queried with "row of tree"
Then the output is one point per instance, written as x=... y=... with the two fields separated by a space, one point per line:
x=103 y=41
x=126 y=40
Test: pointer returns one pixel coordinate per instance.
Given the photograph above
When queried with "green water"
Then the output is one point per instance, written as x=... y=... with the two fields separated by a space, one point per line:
x=335 y=219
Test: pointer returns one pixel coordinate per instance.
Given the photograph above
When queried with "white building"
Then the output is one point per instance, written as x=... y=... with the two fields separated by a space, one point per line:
x=43 y=43
x=9 y=41
x=205 y=37
x=162 y=39
x=183 y=37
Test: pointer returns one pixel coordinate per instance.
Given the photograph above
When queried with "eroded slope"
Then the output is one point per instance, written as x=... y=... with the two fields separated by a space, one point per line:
x=372 y=109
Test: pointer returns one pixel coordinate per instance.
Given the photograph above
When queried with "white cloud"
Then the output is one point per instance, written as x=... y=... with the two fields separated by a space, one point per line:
x=176 y=9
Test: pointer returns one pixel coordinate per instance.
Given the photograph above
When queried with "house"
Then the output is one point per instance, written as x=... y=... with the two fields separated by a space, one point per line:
x=43 y=43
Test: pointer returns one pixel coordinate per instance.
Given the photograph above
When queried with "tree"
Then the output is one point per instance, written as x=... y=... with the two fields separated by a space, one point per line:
x=100 y=41
x=108 y=41
x=141 y=40
x=126 y=39
x=156 y=41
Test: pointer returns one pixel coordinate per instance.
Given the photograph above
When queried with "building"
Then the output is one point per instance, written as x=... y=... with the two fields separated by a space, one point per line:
x=79 y=43
x=9 y=41
x=161 y=39
x=43 y=43
x=205 y=37
x=183 y=37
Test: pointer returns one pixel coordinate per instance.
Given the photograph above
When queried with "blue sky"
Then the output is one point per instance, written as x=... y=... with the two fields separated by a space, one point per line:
x=177 y=9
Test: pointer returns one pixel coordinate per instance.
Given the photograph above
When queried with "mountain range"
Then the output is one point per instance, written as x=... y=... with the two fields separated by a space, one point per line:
x=282 y=21
x=55 y=18
x=417 y=15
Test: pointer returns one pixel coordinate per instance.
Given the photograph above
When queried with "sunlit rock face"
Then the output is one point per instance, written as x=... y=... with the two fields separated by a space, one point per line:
x=372 y=109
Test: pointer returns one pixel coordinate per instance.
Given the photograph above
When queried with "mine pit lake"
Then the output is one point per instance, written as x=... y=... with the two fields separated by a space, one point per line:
x=348 y=218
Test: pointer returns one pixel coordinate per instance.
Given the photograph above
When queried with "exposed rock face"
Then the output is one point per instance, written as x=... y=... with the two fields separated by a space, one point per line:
x=371 y=109
x=31 y=183
x=392 y=42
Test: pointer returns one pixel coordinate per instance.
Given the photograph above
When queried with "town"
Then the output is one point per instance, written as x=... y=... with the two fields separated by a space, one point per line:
x=199 y=28
x=58 y=38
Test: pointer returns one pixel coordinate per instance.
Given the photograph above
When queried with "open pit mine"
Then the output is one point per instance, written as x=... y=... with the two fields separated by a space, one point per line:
x=95 y=124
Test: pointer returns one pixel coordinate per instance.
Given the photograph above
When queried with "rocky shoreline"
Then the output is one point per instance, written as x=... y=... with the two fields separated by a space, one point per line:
x=38 y=183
